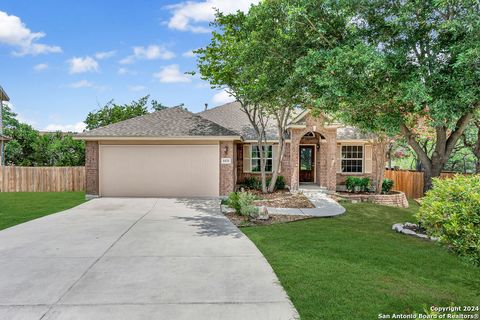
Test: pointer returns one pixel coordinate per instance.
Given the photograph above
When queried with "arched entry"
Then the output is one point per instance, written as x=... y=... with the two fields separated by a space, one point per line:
x=309 y=157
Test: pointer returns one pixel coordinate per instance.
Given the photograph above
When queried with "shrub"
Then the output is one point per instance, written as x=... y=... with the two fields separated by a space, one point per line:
x=252 y=183
x=279 y=183
x=247 y=208
x=233 y=201
x=356 y=184
x=451 y=212
x=242 y=202
x=387 y=185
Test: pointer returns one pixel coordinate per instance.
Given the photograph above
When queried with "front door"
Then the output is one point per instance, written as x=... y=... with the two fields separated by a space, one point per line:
x=307 y=164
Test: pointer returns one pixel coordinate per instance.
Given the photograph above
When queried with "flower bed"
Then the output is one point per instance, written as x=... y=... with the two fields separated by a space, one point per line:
x=392 y=199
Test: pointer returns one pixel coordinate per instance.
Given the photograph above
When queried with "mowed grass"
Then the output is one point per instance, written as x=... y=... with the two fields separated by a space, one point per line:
x=19 y=207
x=355 y=267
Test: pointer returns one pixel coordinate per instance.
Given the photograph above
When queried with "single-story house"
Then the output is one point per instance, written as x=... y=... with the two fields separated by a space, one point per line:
x=174 y=152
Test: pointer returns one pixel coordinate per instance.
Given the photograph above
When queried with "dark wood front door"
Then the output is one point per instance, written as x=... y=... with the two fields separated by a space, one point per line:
x=307 y=163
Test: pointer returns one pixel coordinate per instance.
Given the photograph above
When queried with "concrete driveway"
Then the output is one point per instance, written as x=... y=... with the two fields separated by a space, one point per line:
x=119 y=258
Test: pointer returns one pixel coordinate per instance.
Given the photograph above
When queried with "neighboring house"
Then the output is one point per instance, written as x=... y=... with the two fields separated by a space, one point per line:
x=174 y=152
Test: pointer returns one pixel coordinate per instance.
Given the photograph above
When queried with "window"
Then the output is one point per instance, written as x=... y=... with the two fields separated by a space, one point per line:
x=255 y=158
x=352 y=159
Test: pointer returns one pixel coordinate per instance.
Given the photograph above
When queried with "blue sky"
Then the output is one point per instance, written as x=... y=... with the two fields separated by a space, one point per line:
x=61 y=59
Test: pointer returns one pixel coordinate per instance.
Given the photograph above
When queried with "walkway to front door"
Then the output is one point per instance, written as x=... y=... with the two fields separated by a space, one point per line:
x=307 y=163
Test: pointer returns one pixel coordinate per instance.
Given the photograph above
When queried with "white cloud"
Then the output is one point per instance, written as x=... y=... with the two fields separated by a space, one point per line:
x=13 y=32
x=137 y=88
x=40 y=67
x=81 y=84
x=76 y=127
x=105 y=54
x=222 y=97
x=189 y=54
x=152 y=52
x=83 y=64
x=189 y=15
x=171 y=74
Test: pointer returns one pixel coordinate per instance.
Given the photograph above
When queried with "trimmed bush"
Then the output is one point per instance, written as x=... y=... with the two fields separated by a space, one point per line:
x=450 y=211
x=387 y=185
x=357 y=184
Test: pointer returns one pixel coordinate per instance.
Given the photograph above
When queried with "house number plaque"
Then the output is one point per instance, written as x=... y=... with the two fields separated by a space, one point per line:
x=226 y=160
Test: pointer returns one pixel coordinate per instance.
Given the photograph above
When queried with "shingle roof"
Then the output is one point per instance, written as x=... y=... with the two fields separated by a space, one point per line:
x=232 y=116
x=352 y=133
x=171 y=122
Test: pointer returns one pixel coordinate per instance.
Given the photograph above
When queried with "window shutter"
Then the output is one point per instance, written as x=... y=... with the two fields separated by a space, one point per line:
x=246 y=158
x=368 y=158
x=339 y=159
x=275 y=149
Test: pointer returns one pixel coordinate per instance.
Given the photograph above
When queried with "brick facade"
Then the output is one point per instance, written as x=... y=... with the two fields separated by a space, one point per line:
x=285 y=166
x=326 y=139
x=227 y=171
x=91 y=168
x=341 y=177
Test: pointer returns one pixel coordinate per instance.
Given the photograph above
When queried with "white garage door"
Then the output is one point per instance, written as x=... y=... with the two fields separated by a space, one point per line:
x=159 y=170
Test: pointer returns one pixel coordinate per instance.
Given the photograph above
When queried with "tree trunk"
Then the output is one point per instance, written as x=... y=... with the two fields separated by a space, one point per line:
x=444 y=146
x=379 y=156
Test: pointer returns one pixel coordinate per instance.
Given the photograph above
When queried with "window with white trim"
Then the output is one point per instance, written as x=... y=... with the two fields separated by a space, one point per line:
x=255 y=158
x=352 y=159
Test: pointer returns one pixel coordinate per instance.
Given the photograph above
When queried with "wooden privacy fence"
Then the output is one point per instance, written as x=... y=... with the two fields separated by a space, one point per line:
x=41 y=179
x=411 y=182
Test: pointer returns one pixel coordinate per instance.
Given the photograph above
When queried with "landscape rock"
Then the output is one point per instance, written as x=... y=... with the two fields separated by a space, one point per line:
x=408 y=231
x=227 y=209
x=263 y=213
x=397 y=227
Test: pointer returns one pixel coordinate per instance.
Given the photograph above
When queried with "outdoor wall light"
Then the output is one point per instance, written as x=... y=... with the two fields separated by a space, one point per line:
x=318 y=146
x=225 y=149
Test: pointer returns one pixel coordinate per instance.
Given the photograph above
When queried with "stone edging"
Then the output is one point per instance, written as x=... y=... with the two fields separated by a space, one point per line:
x=405 y=229
x=396 y=199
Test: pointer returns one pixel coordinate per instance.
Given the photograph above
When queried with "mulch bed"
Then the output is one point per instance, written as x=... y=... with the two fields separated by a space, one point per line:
x=282 y=199
x=241 y=221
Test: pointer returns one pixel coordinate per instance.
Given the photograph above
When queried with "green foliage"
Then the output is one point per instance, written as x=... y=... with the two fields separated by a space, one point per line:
x=252 y=183
x=387 y=185
x=357 y=184
x=242 y=202
x=30 y=148
x=451 y=212
x=233 y=201
x=112 y=113
x=279 y=184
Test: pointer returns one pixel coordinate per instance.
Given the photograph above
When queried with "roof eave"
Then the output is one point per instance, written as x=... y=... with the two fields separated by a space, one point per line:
x=3 y=95
x=163 y=138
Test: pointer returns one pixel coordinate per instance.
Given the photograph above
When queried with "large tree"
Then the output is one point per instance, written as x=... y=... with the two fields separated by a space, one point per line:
x=112 y=112
x=402 y=65
x=224 y=62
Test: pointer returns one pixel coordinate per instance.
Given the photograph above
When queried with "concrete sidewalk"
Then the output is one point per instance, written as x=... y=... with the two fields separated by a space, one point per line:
x=324 y=206
x=136 y=259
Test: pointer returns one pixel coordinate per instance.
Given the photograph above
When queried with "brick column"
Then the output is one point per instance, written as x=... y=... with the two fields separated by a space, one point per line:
x=294 y=158
x=227 y=170
x=91 y=169
x=331 y=138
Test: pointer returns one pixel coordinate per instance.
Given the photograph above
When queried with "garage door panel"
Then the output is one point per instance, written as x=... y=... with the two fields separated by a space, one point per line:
x=162 y=170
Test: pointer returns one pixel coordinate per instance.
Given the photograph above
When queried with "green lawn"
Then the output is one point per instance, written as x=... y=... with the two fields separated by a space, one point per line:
x=355 y=267
x=19 y=207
